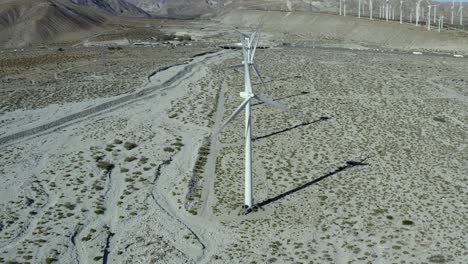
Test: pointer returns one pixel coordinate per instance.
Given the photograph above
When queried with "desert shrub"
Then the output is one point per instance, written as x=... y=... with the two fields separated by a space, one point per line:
x=407 y=222
x=99 y=211
x=69 y=206
x=166 y=37
x=105 y=165
x=50 y=260
x=168 y=149
x=130 y=159
x=130 y=145
x=185 y=37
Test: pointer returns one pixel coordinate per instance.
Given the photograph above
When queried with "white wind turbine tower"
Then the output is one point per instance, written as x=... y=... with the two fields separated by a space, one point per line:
x=401 y=11
x=452 y=9
x=370 y=9
x=386 y=10
x=460 y=11
x=441 y=22
x=418 y=10
x=390 y=12
x=344 y=7
x=435 y=12
x=359 y=9
x=341 y=6
x=249 y=45
x=429 y=18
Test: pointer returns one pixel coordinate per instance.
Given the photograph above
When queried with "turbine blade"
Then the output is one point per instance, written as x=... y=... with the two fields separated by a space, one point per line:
x=235 y=113
x=255 y=47
x=242 y=34
x=270 y=102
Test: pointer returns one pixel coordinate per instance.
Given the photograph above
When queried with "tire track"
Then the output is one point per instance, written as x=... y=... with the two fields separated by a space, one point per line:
x=116 y=103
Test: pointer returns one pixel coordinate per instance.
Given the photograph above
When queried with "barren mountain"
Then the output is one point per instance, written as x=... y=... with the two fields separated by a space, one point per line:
x=188 y=8
x=113 y=7
x=24 y=22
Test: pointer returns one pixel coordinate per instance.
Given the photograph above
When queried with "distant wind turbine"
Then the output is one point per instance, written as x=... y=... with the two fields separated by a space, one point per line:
x=418 y=10
x=429 y=18
x=344 y=7
x=460 y=11
x=370 y=9
x=386 y=10
x=249 y=46
x=441 y=22
x=452 y=8
x=401 y=11
x=359 y=9
x=341 y=6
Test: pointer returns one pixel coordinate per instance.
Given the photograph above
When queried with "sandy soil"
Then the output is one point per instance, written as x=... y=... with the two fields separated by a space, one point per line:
x=37 y=78
x=367 y=166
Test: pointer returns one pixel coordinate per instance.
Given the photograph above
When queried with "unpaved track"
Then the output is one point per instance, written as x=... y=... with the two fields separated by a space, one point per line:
x=208 y=198
x=202 y=229
x=185 y=72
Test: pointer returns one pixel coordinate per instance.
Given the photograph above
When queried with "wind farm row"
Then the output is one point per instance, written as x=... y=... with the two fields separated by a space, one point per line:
x=407 y=11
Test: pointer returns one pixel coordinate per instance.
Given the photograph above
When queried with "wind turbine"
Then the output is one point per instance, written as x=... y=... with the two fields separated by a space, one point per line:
x=341 y=5
x=429 y=18
x=452 y=9
x=418 y=10
x=249 y=45
x=393 y=12
x=401 y=11
x=359 y=9
x=386 y=10
x=435 y=12
x=460 y=10
x=370 y=9
x=441 y=22
x=344 y=7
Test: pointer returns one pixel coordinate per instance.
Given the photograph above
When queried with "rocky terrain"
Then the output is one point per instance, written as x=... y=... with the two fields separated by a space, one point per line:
x=26 y=22
x=113 y=7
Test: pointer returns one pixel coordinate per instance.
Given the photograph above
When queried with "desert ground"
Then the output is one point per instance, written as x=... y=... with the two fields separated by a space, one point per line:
x=114 y=154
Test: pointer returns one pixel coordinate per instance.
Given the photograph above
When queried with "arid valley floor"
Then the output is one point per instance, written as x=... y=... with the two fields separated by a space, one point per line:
x=115 y=155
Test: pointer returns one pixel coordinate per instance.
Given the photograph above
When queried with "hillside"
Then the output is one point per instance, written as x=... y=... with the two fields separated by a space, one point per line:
x=304 y=28
x=179 y=8
x=113 y=7
x=26 y=22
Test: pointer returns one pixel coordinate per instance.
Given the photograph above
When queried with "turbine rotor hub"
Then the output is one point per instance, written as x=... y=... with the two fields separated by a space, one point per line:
x=246 y=95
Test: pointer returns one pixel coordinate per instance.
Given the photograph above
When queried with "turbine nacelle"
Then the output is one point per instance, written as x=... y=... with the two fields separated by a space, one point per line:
x=246 y=95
